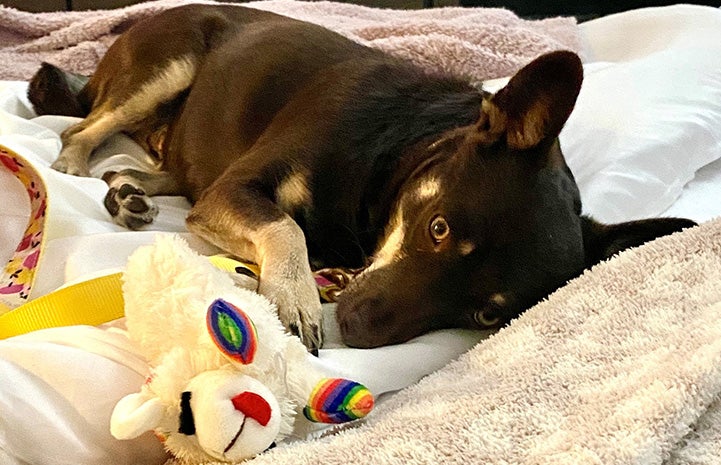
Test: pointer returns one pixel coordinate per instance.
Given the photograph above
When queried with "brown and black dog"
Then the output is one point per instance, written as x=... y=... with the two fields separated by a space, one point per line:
x=300 y=148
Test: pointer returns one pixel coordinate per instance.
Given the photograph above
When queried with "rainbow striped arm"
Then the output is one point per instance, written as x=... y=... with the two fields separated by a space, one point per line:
x=338 y=400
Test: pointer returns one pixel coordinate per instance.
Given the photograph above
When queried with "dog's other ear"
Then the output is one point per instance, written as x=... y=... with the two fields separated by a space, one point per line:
x=536 y=102
x=602 y=241
x=53 y=91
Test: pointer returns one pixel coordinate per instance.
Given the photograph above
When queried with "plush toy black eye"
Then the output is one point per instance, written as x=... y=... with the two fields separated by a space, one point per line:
x=187 y=423
x=439 y=229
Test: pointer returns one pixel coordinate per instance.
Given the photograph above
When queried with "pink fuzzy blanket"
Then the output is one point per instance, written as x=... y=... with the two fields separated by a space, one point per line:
x=475 y=43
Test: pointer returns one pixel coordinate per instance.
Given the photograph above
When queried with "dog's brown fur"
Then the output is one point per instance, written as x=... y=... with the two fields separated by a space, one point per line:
x=297 y=145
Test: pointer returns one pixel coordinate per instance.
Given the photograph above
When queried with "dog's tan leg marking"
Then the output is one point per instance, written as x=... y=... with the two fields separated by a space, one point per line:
x=293 y=193
x=287 y=280
x=80 y=140
x=279 y=248
x=106 y=119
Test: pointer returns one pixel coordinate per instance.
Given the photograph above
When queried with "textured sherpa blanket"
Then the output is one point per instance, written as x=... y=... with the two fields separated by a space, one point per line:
x=476 y=44
x=621 y=366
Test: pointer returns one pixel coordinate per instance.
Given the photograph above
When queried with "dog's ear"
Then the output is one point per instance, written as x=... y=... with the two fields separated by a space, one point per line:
x=535 y=104
x=602 y=241
x=53 y=91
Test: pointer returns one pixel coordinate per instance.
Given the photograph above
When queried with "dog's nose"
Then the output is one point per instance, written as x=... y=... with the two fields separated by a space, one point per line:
x=352 y=322
x=362 y=324
x=349 y=325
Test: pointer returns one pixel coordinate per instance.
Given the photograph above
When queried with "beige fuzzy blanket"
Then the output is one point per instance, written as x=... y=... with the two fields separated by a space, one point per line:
x=621 y=366
x=475 y=43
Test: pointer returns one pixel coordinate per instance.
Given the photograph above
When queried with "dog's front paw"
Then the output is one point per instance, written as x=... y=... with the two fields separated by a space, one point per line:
x=130 y=206
x=299 y=308
x=71 y=165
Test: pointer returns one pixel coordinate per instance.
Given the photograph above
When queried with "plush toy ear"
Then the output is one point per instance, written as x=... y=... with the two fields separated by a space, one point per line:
x=338 y=400
x=135 y=414
x=232 y=331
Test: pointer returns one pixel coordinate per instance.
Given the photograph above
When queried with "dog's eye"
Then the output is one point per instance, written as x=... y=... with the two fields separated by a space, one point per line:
x=483 y=321
x=439 y=229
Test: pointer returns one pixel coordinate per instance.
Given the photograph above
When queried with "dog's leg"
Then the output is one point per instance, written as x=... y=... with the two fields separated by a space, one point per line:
x=246 y=223
x=129 y=199
x=80 y=140
x=133 y=103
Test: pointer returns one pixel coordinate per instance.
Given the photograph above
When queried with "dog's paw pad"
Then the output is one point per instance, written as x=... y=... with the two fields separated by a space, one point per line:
x=130 y=206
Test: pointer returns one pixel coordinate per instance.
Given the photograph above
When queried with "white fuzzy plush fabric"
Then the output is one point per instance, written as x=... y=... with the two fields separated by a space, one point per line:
x=622 y=366
x=168 y=289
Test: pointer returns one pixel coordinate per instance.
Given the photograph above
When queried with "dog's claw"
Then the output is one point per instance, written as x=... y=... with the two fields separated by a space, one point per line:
x=309 y=332
x=312 y=338
x=299 y=310
x=293 y=328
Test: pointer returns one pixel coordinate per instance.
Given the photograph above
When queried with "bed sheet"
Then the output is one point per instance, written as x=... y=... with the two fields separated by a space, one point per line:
x=82 y=240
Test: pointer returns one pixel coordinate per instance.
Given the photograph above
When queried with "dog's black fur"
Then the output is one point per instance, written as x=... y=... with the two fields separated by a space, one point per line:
x=460 y=201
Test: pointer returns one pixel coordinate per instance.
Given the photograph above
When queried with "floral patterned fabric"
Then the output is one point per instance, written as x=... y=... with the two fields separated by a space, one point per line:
x=16 y=279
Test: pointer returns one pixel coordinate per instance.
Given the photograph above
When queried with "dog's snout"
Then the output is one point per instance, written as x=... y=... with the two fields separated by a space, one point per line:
x=352 y=323
x=358 y=322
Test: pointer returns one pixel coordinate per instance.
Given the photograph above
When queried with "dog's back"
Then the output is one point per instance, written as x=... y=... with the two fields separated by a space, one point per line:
x=317 y=117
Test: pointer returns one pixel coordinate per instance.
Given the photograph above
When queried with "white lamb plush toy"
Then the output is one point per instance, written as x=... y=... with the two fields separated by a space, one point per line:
x=227 y=381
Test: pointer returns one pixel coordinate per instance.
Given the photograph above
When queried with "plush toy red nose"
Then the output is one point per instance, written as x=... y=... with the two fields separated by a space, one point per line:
x=252 y=405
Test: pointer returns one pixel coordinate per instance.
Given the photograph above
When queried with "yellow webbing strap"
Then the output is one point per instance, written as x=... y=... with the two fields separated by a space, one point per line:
x=91 y=302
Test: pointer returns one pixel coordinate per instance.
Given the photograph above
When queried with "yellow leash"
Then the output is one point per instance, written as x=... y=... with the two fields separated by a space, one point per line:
x=91 y=302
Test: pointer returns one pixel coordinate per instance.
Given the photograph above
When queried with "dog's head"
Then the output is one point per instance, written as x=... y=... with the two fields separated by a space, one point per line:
x=489 y=223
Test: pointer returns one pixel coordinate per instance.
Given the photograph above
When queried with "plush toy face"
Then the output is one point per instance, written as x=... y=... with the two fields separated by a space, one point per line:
x=231 y=417
x=221 y=415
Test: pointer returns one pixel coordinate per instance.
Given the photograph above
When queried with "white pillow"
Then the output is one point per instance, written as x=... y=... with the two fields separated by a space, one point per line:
x=643 y=127
x=641 y=130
